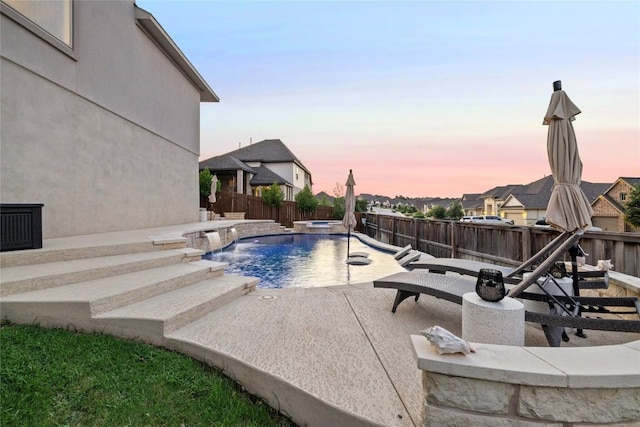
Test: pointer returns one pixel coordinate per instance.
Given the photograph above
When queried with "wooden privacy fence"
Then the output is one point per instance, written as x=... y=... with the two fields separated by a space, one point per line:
x=500 y=244
x=255 y=208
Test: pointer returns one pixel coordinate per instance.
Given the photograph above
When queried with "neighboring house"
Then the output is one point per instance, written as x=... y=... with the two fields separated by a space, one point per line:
x=472 y=203
x=528 y=203
x=100 y=115
x=322 y=195
x=250 y=169
x=609 y=207
x=494 y=198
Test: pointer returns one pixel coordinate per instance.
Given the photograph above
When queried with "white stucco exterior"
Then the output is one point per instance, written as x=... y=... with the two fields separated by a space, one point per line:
x=108 y=139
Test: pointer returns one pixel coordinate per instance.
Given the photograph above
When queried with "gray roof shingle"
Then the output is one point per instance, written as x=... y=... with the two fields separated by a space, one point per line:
x=266 y=151
x=225 y=162
x=265 y=176
x=536 y=195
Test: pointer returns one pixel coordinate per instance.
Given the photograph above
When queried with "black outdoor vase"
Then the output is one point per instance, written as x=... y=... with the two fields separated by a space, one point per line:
x=490 y=285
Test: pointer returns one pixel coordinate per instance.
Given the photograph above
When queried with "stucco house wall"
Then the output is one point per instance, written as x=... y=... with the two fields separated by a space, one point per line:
x=108 y=139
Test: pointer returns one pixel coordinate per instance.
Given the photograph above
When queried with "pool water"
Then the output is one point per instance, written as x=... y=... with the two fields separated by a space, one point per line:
x=304 y=260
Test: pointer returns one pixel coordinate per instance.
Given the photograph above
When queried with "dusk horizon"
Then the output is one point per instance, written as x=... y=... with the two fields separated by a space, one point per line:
x=420 y=99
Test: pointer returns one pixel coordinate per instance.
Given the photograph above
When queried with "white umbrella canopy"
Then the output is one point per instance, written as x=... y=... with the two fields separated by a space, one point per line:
x=214 y=187
x=568 y=208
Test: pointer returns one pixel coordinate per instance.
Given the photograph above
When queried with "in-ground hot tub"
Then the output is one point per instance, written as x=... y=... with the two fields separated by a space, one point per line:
x=319 y=227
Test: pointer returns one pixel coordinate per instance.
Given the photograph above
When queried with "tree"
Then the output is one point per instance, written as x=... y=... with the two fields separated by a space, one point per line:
x=273 y=196
x=361 y=205
x=306 y=201
x=338 y=208
x=205 y=182
x=325 y=201
x=632 y=208
x=338 y=190
x=455 y=211
x=438 y=212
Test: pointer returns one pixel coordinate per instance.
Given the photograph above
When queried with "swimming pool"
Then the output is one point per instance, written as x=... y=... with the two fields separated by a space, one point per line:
x=304 y=260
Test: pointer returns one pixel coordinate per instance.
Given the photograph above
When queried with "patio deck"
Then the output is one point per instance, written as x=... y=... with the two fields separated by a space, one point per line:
x=325 y=356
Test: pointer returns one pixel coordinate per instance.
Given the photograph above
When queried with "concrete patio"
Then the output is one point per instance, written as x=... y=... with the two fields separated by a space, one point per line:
x=324 y=356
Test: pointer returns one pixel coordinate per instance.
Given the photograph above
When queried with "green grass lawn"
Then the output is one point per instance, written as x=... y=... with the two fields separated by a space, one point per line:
x=52 y=377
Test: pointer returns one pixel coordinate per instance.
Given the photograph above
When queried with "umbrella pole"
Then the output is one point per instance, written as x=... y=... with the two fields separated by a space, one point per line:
x=348 y=240
x=573 y=252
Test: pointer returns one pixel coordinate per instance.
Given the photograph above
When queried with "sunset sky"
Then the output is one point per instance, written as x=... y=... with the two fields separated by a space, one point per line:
x=420 y=98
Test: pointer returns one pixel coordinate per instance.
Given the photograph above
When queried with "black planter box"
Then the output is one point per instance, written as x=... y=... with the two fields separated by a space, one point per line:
x=20 y=226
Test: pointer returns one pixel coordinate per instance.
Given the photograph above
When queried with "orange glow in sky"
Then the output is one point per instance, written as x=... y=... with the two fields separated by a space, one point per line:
x=420 y=98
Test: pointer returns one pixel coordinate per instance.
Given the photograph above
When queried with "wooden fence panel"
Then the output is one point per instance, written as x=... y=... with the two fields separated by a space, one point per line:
x=437 y=238
x=504 y=245
x=255 y=208
x=405 y=231
x=618 y=247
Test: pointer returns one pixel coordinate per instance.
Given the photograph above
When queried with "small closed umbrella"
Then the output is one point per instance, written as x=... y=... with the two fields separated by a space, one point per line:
x=214 y=187
x=568 y=208
x=349 y=219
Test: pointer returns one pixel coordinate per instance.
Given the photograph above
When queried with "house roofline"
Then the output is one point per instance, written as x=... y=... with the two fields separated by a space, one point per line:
x=608 y=199
x=159 y=36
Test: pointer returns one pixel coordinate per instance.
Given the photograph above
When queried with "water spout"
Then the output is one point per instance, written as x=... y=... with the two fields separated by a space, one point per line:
x=234 y=235
x=214 y=241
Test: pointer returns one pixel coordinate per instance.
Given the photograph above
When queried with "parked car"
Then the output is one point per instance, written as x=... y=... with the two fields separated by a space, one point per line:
x=491 y=219
x=466 y=219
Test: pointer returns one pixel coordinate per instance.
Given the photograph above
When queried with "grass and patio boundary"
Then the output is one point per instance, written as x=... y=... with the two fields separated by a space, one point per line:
x=55 y=377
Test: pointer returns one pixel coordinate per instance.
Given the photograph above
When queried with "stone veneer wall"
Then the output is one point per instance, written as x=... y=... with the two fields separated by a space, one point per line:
x=199 y=240
x=531 y=386
x=460 y=401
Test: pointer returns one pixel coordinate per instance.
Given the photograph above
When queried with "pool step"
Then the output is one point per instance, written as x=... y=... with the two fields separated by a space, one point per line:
x=75 y=304
x=32 y=277
x=152 y=318
x=55 y=251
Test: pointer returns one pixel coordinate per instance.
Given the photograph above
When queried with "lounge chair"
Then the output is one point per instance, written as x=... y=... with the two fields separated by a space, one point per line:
x=511 y=275
x=588 y=279
x=402 y=252
x=414 y=283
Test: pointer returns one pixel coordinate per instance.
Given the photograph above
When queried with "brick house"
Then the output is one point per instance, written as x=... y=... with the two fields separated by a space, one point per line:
x=608 y=208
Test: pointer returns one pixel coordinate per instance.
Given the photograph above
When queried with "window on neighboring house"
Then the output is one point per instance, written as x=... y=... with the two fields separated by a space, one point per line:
x=54 y=17
x=623 y=197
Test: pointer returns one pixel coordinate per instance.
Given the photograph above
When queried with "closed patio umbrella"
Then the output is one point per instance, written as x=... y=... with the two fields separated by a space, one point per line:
x=349 y=219
x=214 y=187
x=568 y=208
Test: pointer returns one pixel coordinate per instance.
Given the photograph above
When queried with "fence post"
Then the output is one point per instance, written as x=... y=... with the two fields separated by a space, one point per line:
x=393 y=230
x=454 y=251
x=416 y=231
x=526 y=244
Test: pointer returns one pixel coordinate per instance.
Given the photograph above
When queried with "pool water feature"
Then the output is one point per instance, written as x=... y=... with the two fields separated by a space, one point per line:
x=304 y=260
x=319 y=227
